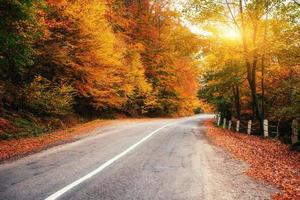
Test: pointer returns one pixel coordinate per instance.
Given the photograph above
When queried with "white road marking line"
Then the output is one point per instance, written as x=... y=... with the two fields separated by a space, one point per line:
x=103 y=166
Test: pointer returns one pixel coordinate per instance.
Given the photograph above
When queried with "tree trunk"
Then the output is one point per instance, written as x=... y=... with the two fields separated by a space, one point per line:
x=236 y=94
x=251 y=66
x=263 y=63
x=252 y=84
x=263 y=86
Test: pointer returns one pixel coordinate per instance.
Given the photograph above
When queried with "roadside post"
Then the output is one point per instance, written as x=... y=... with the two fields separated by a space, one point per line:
x=219 y=119
x=237 y=125
x=266 y=130
x=249 y=127
x=229 y=125
x=224 y=123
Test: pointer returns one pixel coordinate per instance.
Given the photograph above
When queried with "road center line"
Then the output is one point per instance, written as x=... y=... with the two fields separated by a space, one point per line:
x=103 y=166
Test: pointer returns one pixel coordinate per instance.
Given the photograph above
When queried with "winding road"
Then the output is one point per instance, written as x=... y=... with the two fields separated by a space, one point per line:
x=151 y=159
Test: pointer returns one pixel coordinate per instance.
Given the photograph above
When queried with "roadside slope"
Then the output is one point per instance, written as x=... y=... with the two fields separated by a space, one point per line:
x=16 y=148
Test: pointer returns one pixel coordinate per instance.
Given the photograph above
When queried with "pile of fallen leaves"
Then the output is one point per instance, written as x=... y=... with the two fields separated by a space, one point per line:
x=269 y=160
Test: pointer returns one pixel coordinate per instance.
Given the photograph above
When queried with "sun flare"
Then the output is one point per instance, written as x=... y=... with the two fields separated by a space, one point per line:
x=230 y=33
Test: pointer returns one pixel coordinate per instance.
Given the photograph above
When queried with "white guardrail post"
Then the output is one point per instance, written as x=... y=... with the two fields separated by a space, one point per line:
x=219 y=119
x=224 y=123
x=229 y=125
x=266 y=130
x=237 y=125
x=249 y=127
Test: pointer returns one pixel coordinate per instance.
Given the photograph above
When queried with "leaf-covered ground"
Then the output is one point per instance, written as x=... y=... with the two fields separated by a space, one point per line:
x=269 y=160
x=19 y=147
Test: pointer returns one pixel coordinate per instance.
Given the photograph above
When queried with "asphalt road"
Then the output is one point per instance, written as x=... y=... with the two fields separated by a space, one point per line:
x=161 y=159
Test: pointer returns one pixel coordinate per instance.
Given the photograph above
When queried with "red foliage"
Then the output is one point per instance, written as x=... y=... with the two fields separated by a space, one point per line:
x=269 y=160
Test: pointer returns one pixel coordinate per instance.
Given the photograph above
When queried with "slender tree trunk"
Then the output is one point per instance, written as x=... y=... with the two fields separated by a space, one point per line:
x=255 y=103
x=236 y=94
x=263 y=62
x=263 y=86
x=253 y=109
x=251 y=66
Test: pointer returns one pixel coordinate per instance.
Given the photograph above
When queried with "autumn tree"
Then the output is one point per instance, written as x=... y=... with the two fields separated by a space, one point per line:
x=253 y=23
x=19 y=29
x=87 y=54
x=156 y=28
x=223 y=75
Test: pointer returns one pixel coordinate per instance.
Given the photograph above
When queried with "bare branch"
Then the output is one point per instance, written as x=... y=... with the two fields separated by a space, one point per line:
x=296 y=2
x=232 y=15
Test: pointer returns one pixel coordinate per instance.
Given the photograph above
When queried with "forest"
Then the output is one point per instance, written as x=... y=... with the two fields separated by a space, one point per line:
x=65 y=61
x=61 y=60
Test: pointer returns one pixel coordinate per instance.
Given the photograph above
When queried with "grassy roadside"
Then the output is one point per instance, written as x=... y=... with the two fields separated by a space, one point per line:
x=269 y=160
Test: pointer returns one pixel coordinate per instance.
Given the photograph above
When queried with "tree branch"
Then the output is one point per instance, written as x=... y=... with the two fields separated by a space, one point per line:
x=296 y=2
x=232 y=15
